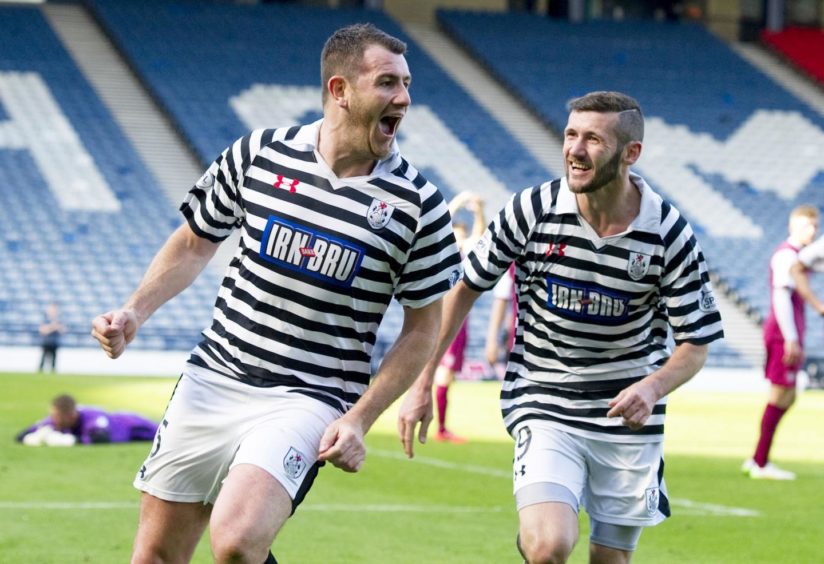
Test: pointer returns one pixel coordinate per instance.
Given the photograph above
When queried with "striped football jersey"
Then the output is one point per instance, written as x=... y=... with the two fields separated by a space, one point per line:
x=595 y=314
x=318 y=261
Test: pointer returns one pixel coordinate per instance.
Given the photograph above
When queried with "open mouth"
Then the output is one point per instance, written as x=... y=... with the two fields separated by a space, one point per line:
x=389 y=125
x=579 y=167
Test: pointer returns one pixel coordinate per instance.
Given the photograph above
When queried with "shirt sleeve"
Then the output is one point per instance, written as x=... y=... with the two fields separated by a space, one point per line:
x=686 y=288
x=504 y=239
x=783 y=308
x=434 y=262
x=812 y=256
x=780 y=263
x=213 y=206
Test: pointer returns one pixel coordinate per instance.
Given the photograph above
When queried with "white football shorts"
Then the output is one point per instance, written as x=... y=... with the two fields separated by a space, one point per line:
x=213 y=423
x=617 y=483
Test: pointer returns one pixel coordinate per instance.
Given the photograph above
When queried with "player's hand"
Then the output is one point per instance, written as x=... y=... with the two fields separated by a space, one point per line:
x=491 y=352
x=415 y=408
x=37 y=437
x=792 y=353
x=342 y=445
x=634 y=404
x=114 y=330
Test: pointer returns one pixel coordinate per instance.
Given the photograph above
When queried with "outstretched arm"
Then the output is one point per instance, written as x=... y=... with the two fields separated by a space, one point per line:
x=496 y=319
x=476 y=206
x=173 y=269
x=342 y=443
x=635 y=403
x=417 y=405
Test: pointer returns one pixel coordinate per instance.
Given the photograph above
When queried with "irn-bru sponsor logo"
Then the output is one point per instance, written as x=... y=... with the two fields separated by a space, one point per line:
x=303 y=249
x=585 y=303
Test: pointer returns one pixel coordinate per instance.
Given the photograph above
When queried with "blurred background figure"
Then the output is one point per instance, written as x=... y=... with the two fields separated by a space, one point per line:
x=69 y=424
x=783 y=340
x=501 y=331
x=50 y=331
x=453 y=360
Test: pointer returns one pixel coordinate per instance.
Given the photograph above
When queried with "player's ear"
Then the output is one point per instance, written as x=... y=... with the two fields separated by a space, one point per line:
x=632 y=152
x=338 y=90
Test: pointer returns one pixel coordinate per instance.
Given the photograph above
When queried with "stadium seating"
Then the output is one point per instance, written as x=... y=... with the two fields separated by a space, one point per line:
x=222 y=69
x=213 y=66
x=81 y=215
x=731 y=148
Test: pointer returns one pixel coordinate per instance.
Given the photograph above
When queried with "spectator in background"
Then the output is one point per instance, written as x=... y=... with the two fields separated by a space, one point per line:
x=502 y=316
x=69 y=424
x=50 y=331
x=784 y=331
x=452 y=361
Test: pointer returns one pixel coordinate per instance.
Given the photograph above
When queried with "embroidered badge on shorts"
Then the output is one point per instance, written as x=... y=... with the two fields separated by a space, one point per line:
x=652 y=500
x=294 y=463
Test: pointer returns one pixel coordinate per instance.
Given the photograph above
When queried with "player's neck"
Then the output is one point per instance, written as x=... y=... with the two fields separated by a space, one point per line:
x=339 y=150
x=611 y=209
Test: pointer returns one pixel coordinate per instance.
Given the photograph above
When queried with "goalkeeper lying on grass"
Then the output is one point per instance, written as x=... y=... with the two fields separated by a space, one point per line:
x=69 y=424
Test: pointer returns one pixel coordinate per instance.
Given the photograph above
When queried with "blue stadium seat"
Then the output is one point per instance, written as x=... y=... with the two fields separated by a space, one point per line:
x=86 y=261
x=174 y=49
x=700 y=99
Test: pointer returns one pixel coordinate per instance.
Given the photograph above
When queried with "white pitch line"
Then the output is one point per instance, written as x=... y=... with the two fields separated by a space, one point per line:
x=321 y=507
x=691 y=507
x=395 y=508
x=72 y=505
x=471 y=468
x=713 y=509
x=688 y=506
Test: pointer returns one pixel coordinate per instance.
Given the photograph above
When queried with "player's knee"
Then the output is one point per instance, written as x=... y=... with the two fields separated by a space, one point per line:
x=234 y=545
x=144 y=553
x=543 y=548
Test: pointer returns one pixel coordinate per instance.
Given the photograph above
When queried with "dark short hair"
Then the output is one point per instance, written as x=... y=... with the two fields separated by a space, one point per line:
x=343 y=51
x=630 y=118
x=64 y=403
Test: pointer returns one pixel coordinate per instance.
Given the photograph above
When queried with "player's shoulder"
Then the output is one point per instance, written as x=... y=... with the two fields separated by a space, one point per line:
x=399 y=176
x=657 y=212
x=399 y=170
x=293 y=135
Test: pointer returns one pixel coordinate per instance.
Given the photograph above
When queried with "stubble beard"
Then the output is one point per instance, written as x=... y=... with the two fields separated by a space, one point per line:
x=604 y=176
x=360 y=122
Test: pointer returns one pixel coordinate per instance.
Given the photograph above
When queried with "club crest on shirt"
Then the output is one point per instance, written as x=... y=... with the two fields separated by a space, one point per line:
x=652 y=497
x=638 y=265
x=294 y=463
x=206 y=180
x=379 y=214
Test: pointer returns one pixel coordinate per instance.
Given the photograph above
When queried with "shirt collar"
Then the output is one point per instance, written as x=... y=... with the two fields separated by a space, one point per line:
x=308 y=137
x=648 y=219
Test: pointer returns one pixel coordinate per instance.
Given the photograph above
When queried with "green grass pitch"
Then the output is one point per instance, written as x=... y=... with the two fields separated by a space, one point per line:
x=451 y=504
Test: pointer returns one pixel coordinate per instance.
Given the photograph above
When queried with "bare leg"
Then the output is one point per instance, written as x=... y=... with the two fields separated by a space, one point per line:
x=250 y=510
x=168 y=531
x=599 y=554
x=548 y=532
